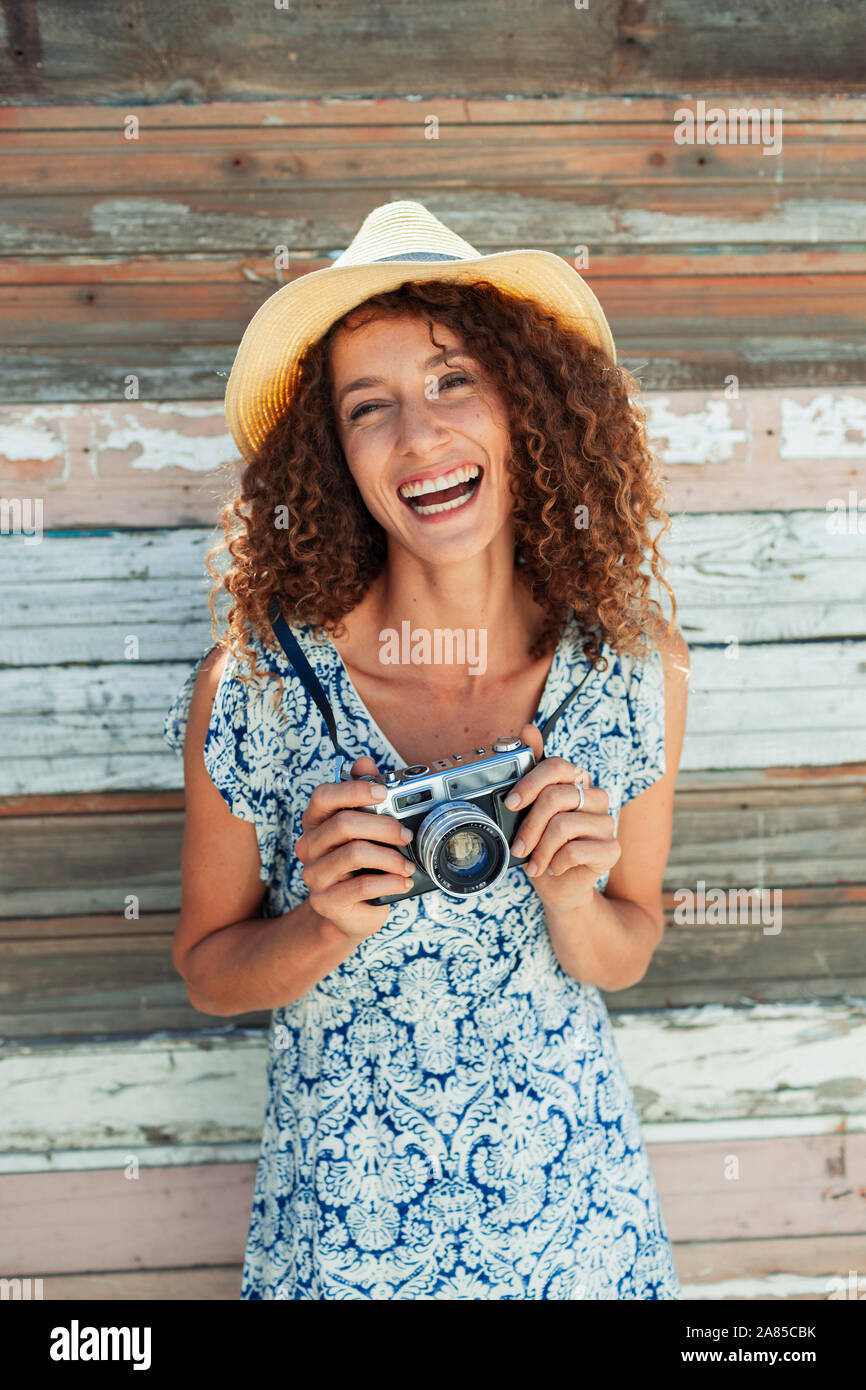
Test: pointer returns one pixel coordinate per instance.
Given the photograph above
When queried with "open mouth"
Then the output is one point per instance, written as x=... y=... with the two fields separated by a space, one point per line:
x=444 y=494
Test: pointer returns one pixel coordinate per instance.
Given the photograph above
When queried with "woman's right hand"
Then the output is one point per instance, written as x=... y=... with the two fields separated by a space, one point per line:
x=339 y=838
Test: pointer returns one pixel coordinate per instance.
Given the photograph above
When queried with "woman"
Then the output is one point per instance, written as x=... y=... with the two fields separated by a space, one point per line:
x=447 y=445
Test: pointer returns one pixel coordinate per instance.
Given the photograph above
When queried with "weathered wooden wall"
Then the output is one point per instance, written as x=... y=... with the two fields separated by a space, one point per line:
x=146 y=258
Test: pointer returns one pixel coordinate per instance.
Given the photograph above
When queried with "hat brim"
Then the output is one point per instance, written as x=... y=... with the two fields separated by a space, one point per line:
x=265 y=369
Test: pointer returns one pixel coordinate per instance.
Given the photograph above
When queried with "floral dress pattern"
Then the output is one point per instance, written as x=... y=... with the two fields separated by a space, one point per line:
x=447 y=1113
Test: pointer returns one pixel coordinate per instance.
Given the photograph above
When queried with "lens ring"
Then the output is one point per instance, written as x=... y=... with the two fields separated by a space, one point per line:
x=440 y=825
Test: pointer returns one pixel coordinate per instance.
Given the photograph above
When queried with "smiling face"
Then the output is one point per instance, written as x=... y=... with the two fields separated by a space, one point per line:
x=426 y=442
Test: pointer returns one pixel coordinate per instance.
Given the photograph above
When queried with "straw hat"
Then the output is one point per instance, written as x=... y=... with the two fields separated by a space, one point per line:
x=396 y=242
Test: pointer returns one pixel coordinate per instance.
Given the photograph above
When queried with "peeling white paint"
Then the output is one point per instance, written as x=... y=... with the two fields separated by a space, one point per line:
x=247 y=1151
x=107 y=414
x=770 y=1286
x=826 y=219
x=716 y=1061
x=149 y=1156
x=757 y=1127
x=702 y=436
x=831 y=426
x=112 y=217
x=164 y=448
x=19 y=443
x=710 y=1063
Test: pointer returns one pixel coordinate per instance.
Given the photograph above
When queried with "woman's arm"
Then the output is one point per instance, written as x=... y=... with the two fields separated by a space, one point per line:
x=609 y=940
x=231 y=959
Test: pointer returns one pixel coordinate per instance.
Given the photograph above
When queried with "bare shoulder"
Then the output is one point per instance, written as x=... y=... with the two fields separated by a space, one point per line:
x=676 y=664
x=674 y=652
x=203 y=695
x=211 y=670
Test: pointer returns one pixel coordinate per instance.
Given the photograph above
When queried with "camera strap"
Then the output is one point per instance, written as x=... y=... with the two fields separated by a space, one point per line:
x=562 y=706
x=312 y=685
x=307 y=675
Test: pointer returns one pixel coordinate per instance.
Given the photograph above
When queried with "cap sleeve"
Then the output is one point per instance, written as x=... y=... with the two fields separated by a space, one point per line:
x=241 y=752
x=645 y=698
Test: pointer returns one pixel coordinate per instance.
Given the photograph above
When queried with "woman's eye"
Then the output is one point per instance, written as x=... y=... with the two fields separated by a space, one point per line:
x=455 y=377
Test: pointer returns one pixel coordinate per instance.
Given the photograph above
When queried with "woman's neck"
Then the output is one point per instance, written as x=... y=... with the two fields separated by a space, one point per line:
x=492 y=613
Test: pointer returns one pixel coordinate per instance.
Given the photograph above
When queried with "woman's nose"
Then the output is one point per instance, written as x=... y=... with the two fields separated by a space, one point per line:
x=420 y=423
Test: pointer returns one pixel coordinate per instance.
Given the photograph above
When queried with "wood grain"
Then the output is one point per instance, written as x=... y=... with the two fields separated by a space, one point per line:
x=787 y=1268
x=135 y=464
x=249 y=51
x=713 y=1065
x=101 y=1220
x=213 y=188
x=98 y=727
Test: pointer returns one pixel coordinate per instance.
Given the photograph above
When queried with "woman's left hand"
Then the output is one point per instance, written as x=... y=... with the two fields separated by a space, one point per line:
x=570 y=848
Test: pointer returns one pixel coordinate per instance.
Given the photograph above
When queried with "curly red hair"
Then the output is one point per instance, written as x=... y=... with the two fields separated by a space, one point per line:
x=578 y=441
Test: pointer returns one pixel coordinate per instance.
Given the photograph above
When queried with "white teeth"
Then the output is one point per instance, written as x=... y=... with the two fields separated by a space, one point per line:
x=432 y=507
x=442 y=506
x=460 y=475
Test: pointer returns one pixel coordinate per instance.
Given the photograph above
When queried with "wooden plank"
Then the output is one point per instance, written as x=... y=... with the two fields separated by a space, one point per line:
x=764 y=781
x=208 y=1283
x=91 y=801
x=171 y=1155
x=806 y=1267
x=167 y=464
x=761 y=784
x=805 y=906
x=785 y=1268
x=165 y=1218
x=98 y=985
x=685 y=1065
x=67 y=975
x=471 y=51
x=382 y=110
x=82 y=980
x=736 y=324
x=758 y=1189
x=745 y=577
x=163 y=1090
x=99 y=973
x=49 y=713
x=88 y=926
x=78 y=1222
x=554 y=214
x=627 y=261
x=174 y=161
x=180 y=371
x=701 y=1264
x=57 y=866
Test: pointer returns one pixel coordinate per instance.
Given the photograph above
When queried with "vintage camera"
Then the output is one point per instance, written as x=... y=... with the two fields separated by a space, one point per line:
x=455 y=807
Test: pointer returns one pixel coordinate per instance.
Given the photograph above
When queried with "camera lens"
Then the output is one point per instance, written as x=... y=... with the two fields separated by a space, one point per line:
x=464 y=854
x=461 y=848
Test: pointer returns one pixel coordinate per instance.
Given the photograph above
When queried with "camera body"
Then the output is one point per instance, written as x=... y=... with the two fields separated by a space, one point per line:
x=455 y=807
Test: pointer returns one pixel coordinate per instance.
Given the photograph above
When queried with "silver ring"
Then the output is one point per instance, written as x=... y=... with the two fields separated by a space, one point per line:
x=582 y=796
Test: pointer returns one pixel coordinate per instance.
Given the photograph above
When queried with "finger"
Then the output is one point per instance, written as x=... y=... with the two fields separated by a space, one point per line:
x=344 y=897
x=347 y=859
x=364 y=767
x=329 y=797
x=544 y=774
x=580 y=826
x=349 y=825
x=561 y=796
x=599 y=855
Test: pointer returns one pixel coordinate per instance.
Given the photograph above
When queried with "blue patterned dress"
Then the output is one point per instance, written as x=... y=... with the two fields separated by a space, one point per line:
x=447 y=1112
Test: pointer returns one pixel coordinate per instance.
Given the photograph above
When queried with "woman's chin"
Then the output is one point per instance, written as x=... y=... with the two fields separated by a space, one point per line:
x=446 y=546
